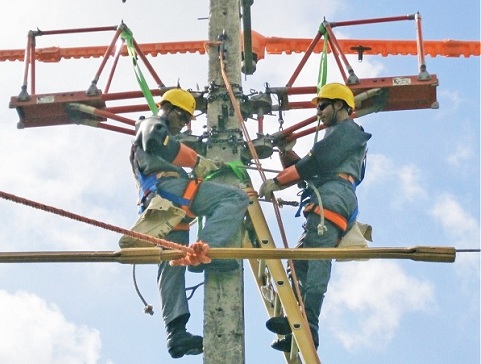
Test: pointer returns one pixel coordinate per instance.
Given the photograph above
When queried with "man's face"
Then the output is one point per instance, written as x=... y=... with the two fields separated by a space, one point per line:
x=177 y=120
x=325 y=110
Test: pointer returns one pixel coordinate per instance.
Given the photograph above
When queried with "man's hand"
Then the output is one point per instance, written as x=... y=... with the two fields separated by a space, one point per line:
x=268 y=188
x=206 y=166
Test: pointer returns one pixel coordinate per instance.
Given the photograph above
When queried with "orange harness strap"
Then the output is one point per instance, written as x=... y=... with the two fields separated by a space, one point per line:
x=189 y=194
x=332 y=216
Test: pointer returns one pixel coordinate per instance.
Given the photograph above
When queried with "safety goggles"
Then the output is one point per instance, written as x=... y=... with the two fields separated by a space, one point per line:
x=323 y=105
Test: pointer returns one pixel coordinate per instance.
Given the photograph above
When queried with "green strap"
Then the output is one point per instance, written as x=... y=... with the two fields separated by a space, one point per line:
x=129 y=40
x=321 y=80
x=241 y=173
x=322 y=77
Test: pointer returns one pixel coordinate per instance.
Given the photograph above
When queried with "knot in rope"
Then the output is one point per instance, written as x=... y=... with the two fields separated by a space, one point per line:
x=195 y=255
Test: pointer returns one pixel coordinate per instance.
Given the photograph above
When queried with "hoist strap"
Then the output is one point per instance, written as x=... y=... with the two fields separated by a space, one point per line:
x=322 y=78
x=129 y=40
x=234 y=166
x=337 y=219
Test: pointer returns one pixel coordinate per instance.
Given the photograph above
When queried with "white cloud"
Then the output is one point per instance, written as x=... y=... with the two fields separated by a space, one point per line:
x=406 y=179
x=409 y=176
x=454 y=98
x=367 y=301
x=37 y=332
x=462 y=229
x=460 y=154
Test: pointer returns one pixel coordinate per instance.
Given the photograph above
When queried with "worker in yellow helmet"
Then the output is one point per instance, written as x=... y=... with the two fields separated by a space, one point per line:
x=333 y=169
x=158 y=162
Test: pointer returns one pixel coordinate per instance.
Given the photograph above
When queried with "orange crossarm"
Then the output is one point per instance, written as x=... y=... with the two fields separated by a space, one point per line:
x=55 y=54
x=271 y=45
x=445 y=48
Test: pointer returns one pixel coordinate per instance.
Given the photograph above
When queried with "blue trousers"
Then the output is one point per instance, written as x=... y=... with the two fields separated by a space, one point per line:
x=313 y=275
x=224 y=208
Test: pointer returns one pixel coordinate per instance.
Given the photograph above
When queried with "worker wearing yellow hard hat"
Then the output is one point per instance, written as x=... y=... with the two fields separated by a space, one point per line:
x=167 y=192
x=332 y=170
x=335 y=91
x=181 y=99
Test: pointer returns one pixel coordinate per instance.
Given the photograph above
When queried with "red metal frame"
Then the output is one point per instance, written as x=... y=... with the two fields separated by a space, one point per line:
x=53 y=108
x=399 y=93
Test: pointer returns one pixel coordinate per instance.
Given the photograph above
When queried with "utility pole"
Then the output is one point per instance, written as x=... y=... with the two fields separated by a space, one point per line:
x=224 y=292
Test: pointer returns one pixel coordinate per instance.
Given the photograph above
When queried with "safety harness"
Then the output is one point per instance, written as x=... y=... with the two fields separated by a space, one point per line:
x=148 y=185
x=310 y=207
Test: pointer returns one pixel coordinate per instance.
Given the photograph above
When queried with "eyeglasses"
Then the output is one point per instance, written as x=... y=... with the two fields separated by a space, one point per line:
x=322 y=106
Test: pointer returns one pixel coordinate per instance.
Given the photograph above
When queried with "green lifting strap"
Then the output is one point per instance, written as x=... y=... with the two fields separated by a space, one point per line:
x=321 y=79
x=129 y=40
x=241 y=173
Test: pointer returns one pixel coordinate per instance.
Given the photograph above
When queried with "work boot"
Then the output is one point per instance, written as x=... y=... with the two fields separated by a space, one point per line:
x=283 y=344
x=217 y=265
x=180 y=342
x=278 y=325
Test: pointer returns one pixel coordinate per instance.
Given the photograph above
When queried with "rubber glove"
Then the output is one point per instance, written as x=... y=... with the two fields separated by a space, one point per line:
x=268 y=188
x=205 y=166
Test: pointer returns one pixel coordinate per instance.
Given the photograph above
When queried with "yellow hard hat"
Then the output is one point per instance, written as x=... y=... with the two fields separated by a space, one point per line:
x=180 y=98
x=335 y=91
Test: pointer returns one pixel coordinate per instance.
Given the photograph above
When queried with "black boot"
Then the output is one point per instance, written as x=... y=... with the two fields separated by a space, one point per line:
x=179 y=341
x=278 y=325
x=283 y=344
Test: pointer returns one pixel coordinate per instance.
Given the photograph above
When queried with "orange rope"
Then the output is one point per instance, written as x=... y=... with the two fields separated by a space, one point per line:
x=196 y=257
x=150 y=239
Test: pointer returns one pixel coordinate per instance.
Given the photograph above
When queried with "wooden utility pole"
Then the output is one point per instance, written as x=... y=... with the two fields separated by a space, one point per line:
x=224 y=292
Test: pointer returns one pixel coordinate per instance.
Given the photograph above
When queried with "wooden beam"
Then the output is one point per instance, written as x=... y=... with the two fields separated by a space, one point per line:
x=155 y=255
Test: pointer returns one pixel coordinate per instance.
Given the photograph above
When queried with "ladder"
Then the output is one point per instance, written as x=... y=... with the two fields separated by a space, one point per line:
x=274 y=285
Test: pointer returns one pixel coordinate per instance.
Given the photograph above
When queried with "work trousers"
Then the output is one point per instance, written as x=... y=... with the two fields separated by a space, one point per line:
x=224 y=208
x=313 y=275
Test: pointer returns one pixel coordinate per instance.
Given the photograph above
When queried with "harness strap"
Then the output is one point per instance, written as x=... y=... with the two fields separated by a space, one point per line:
x=337 y=219
x=185 y=201
x=189 y=194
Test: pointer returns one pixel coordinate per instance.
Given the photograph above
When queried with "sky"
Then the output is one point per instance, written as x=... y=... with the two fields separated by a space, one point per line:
x=421 y=188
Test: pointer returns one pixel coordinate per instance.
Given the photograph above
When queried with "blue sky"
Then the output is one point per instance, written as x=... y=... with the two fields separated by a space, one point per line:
x=421 y=188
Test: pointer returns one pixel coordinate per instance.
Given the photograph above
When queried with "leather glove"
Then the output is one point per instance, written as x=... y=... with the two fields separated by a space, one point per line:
x=268 y=188
x=205 y=166
x=279 y=140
